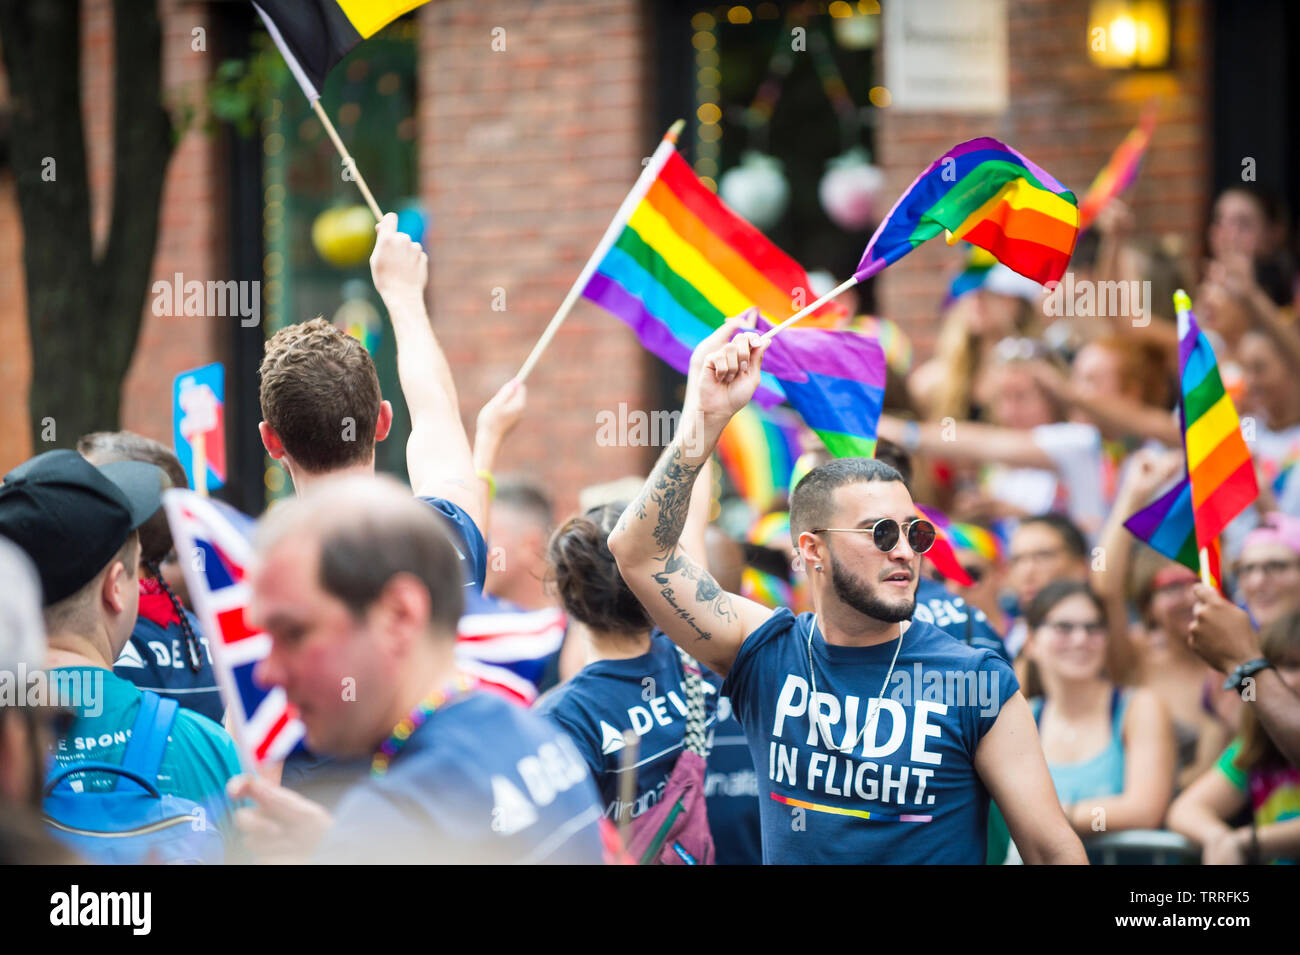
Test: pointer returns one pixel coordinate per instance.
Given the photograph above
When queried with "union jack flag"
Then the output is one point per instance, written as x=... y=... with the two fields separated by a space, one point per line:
x=505 y=648
x=213 y=541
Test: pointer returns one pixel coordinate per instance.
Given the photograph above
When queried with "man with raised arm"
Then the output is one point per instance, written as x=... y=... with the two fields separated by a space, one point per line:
x=323 y=413
x=877 y=738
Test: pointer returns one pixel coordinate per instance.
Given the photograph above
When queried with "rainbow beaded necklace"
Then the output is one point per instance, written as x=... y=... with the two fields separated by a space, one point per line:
x=454 y=689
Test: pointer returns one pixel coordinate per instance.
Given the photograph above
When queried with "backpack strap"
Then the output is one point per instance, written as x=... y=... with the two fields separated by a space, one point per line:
x=697 y=740
x=144 y=750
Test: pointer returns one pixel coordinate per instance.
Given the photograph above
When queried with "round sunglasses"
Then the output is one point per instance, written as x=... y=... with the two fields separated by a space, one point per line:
x=886 y=531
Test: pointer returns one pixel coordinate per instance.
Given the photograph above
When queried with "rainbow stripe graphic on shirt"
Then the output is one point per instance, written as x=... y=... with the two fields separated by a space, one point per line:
x=860 y=813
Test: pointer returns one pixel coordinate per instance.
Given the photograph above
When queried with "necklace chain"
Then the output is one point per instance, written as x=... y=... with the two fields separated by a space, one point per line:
x=824 y=729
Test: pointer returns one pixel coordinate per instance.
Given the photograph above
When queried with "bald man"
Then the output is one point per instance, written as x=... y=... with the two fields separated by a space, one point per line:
x=359 y=588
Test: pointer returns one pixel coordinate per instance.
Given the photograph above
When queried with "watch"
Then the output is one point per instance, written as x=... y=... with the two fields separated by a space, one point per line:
x=1247 y=669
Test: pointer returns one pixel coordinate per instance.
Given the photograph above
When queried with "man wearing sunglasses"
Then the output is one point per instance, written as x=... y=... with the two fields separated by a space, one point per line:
x=878 y=738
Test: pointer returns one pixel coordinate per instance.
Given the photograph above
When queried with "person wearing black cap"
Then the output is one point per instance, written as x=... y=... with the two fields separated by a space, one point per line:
x=79 y=525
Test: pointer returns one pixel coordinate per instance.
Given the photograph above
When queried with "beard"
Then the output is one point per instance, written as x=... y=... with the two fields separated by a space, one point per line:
x=865 y=600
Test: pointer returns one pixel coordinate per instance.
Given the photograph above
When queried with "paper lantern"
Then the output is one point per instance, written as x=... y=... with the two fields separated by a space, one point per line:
x=344 y=235
x=849 y=190
x=756 y=189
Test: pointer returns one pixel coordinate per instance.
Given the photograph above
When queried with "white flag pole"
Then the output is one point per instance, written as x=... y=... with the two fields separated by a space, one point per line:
x=667 y=146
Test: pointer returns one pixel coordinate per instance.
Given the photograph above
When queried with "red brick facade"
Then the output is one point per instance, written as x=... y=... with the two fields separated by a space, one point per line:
x=524 y=154
x=1067 y=115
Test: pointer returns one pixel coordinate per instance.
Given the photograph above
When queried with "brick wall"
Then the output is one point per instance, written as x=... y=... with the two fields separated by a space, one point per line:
x=524 y=156
x=189 y=241
x=1067 y=115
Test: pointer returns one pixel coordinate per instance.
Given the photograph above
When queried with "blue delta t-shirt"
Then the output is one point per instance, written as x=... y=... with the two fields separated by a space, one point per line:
x=936 y=604
x=157 y=658
x=467 y=539
x=645 y=694
x=905 y=792
x=481 y=781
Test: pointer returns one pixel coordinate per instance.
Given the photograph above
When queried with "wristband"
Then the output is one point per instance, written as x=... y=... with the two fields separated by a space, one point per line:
x=1247 y=669
x=911 y=436
x=491 y=483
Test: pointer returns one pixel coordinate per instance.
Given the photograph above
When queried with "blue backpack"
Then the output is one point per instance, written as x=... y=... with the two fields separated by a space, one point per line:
x=133 y=823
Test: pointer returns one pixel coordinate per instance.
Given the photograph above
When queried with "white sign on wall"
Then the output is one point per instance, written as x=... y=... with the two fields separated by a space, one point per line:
x=946 y=55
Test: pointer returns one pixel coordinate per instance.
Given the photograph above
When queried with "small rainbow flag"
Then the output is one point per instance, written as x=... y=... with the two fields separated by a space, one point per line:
x=758 y=449
x=942 y=553
x=1120 y=170
x=676 y=262
x=986 y=193
x=1220 y=481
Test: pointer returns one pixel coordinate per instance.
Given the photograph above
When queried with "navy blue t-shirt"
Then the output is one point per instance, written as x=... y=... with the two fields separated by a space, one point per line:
x=157 y=658
x=466 y=538
x=906 y=793
x=322 y=777
x=938 y=605
x=481 y=781
x=645 y=694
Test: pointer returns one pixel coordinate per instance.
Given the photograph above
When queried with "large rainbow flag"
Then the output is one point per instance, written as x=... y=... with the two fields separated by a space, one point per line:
x=676 y=262
x=1220 y=481
x=758 y=449
x=986 y=193
x=1120 y=170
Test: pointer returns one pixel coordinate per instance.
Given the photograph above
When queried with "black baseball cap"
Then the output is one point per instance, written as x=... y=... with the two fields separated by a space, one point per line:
x=72 y=517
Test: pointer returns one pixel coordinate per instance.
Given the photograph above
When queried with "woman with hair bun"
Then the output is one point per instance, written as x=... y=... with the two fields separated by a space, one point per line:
x=634 y=679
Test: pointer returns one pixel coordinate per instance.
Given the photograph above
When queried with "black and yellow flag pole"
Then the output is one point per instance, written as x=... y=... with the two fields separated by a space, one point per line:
x=312 y=36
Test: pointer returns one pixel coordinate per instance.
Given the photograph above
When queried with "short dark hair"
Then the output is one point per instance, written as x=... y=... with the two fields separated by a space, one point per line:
x=810 y=504
x=528 y=497
x=360 y=555
x=586 y=576
x=1058 y=590
x=107 y=447
x=897 y=458
x=314 y=377
x=1065 y=528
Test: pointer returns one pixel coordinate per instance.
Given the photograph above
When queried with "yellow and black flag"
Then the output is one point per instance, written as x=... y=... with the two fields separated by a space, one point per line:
x=313 y=35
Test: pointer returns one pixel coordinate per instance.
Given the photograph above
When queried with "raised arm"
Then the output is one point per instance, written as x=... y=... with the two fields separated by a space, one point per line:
x=969 y=441
x=682 y=597
x=438 y=456
x=496 y=420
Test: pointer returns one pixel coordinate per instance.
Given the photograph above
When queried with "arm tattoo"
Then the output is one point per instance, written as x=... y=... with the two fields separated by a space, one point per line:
x=708 y=594
x=669 y=487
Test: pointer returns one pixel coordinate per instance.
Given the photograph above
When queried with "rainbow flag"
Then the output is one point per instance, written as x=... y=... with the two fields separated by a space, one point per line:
x=942 y=553
x=976 y=540
x=1220 y=481
x=986 y=193
x=758 y=449
x=676 y=262
x=1120 y=170
x=835 y=379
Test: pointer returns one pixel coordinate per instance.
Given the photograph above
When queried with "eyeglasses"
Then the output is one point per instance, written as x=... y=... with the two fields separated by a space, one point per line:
x=885 y=533
x=1269 y=568
x=975 y=572
x=1033 y=557
x=1061 y=629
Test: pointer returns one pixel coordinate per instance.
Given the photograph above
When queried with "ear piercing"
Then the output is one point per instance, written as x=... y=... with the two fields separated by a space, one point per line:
x=818 y=567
